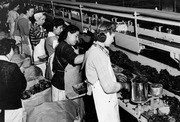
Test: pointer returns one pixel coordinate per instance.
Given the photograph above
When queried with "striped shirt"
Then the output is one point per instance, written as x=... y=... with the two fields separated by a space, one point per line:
x=36 y=33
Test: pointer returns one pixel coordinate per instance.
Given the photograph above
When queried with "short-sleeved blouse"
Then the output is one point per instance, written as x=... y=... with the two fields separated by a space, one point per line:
x=64 y=55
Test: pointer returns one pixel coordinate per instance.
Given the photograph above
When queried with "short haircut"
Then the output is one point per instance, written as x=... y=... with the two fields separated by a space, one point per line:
x=6 y=45
x=58 y=22
x=27 y=8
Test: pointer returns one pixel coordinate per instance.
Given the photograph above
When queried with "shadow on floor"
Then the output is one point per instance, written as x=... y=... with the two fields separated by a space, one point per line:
x=125 y=116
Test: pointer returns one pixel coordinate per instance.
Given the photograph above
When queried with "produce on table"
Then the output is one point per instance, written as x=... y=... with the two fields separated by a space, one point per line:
x=41 y=86
x=169 y=82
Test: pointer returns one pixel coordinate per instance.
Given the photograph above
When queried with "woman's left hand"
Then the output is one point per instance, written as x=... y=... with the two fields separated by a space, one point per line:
x=121 y=77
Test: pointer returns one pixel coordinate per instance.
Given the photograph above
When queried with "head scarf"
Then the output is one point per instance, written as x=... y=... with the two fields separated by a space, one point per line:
x=38 y=16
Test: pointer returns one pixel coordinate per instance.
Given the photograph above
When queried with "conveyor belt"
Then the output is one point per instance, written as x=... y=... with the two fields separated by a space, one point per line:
x=146 y=12
x=163 y=42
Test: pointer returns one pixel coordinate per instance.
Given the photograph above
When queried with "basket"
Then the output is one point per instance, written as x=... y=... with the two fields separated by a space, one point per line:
x=80 y=88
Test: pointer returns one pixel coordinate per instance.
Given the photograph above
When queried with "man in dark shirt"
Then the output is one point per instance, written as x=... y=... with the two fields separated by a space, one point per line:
x=12 y=84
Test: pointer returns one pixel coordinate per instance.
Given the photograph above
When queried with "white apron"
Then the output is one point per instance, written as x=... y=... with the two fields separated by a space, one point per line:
x=58 y=95
x=51 y=58
x=26 y=46
x=39 y=50
x=106 y=104
x=14 y=115
x=72 y=77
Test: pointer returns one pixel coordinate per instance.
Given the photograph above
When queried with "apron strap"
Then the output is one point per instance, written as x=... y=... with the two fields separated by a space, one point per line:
x=60 y=64
x=60 y=61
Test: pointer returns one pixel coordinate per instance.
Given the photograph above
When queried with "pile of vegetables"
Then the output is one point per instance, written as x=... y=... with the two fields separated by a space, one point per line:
x=169 y=82
x=160 y=118
x=41 y=86
x=174 y=105
x=173 y=116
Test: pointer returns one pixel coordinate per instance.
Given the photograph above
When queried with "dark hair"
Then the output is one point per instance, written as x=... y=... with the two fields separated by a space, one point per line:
x=27 y=8
x=70 y=28
x=48 y=24
x=6 y=45
x=3 y=2
x=104 y=28
x=16 y=48
x=58 y=22
x=51 y=23
x=13 y=5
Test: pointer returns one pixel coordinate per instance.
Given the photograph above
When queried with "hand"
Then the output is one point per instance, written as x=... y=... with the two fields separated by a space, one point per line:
x=85 y=30
x=126 y=86
x=121 y=77
x=22 y=69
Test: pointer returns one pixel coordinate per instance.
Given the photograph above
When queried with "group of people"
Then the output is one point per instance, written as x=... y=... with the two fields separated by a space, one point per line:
x=64 y=64
x=5 y=7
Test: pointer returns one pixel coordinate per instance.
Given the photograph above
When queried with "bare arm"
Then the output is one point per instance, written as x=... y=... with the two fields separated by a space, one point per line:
x=79 y=59
x=12 y=29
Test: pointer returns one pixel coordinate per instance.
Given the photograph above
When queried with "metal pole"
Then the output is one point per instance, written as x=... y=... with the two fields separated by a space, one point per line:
x=174 y=5
x=81 y=15
x=53 y=9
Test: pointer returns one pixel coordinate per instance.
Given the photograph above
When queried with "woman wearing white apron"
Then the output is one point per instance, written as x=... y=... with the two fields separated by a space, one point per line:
x=100 y=75
x=66 y=66
x=22 y=26
x=38 y=35
x=51 y=43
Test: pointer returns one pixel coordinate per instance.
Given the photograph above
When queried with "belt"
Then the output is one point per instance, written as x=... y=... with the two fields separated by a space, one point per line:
x=59 y=71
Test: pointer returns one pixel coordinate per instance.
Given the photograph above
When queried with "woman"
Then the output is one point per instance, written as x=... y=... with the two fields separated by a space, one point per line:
x=52 y=42
x=21 y=31
x=12 y=84
x=12 y=16
x=38 y=35
x=66 y=65
x=4 y=6
x=101 y=77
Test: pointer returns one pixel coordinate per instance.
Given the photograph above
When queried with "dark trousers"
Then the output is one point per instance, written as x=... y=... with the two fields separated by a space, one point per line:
x=2 y=115
x=90 y=110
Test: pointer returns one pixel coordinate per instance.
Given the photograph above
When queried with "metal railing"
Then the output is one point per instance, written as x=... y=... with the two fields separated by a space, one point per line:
x=162 y=28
